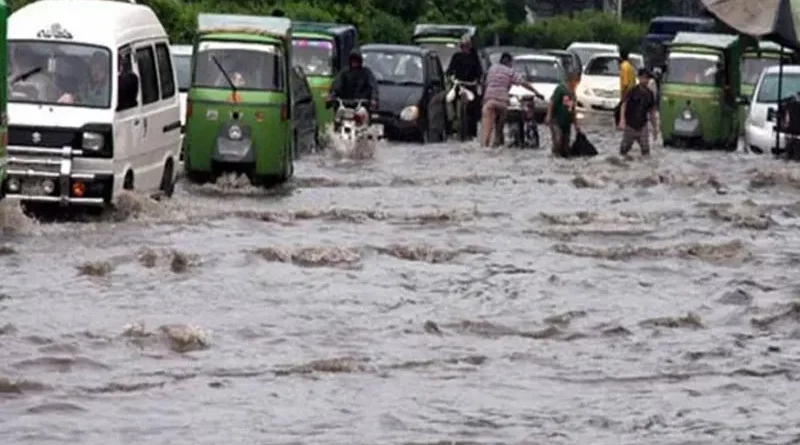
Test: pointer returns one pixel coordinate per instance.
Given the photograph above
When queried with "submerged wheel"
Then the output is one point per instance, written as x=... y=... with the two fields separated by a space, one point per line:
x=168 y=179
x=127 y=184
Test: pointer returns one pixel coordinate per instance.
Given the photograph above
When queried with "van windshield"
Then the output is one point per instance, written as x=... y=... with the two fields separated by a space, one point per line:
x=314 y=56
x=698 y=69
x=250 y=66
x=183 y=70
x=59 y=73
x=768 y=91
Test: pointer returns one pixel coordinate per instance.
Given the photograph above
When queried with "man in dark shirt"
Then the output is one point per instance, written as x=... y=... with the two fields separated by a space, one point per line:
x=633 y=116
x=466 y=67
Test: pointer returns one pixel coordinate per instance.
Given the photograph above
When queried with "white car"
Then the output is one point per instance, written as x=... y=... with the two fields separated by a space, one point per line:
x=182 y=59
x=599 y=87
x=587 y=50
x=544 y=71
x=759 y=131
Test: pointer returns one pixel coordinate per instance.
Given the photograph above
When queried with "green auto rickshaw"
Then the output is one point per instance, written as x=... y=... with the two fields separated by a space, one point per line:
x=700 y=93
x=239 y=105
x=755 y=59
x=322 y=51
x=4 y=13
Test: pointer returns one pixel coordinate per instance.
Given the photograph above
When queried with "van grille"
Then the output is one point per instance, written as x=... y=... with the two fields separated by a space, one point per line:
x=47 y=137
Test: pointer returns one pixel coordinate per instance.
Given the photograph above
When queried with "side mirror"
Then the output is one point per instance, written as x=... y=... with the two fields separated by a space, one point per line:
x=128 y=91
x=743 y=100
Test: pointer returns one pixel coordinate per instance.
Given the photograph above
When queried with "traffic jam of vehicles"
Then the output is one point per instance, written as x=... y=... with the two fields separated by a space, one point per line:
x=92 y=111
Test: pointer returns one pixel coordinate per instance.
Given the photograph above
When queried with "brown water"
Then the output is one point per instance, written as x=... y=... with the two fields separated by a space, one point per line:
x=439 y=294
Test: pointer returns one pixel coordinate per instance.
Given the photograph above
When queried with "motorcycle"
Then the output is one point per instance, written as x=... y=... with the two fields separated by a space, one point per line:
x=521 y=129
x=461 y=91
x=353 y=126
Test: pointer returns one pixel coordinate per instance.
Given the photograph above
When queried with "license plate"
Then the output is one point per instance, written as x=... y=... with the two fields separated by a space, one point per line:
x=33 y=188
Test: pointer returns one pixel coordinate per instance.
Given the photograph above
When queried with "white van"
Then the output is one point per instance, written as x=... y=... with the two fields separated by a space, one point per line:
x=586 y=50
x=93 y=102
x=759 y=127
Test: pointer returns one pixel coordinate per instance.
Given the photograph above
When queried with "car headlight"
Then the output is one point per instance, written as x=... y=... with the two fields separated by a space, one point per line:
x=235 y=133
x=587 y=92
x=93 y=141
x=409 y=113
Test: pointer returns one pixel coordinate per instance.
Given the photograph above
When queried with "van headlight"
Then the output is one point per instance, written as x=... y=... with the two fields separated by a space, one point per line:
x=93 y=141
x=409 y=113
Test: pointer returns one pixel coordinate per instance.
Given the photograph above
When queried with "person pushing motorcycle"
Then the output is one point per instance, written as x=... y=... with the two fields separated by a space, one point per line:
x=465 y=66
x=356 y=82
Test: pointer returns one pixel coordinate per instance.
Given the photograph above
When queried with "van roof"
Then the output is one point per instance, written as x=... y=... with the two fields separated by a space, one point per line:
x=100 y=22
x=275 y=26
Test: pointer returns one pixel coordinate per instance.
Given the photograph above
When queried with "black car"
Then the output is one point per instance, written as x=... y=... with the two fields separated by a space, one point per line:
x=494 y=52
x=304 y=113
x=411 y=95
x=570 y=60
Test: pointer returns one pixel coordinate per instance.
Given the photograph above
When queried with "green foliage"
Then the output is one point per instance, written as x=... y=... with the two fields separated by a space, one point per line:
x=391 y=21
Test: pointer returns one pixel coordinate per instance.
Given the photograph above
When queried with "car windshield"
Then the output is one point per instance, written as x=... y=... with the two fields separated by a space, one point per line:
x=183 y=70
x=698 y=69
x=389 y=67
x=584 y=53
x=752 y=68
x=603 y=66
x=768 y=91
x=59 y=73
x=314 y=56
x=250 y=66
x=540 y=71
x=445 y=51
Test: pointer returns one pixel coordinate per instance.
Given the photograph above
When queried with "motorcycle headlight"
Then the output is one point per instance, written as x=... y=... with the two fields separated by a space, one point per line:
x=92 y=141
x=514 y=101
x=410 y=113
x=235 y=133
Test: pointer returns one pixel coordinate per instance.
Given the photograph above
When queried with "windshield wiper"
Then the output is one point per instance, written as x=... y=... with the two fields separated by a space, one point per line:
x=24 y=76
x=224 y=73
x=409 y=82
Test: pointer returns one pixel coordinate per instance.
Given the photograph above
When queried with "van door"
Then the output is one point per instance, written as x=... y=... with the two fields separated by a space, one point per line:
x=169 y=112
x=149 y=154
x=127 y=125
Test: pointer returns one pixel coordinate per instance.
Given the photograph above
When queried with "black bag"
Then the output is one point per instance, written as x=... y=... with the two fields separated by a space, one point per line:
x=581 y=147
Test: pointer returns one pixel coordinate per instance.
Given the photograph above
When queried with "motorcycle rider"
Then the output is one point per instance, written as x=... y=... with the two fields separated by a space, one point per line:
x=355 y=82
x=465 y=66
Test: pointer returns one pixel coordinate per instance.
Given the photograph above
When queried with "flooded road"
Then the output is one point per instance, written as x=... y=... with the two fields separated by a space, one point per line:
x=439 y=294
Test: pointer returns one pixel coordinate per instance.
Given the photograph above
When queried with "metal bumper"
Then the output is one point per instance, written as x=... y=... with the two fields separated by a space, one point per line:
x=31 y=162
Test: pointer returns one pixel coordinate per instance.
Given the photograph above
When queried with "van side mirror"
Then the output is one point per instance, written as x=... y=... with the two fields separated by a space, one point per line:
x=128 y=91
x=743 y=100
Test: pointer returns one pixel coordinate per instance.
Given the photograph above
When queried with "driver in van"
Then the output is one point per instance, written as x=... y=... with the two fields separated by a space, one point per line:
x=23 y=60
x=95 y=93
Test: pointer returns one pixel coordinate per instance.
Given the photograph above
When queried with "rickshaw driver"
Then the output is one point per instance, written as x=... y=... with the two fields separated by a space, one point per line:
x=355 y=82
x=95 y=93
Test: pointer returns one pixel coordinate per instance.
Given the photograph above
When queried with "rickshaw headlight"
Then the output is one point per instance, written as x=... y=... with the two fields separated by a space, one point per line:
x=687 y=115
x=410 y=113
x=92 y=141
x=235 y=133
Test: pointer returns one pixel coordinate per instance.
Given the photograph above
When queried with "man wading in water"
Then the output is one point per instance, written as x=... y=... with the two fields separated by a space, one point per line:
x=561 y=114
x=633 y=116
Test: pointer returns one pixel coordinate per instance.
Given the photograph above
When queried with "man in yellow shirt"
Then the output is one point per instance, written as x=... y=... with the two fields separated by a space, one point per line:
x=627 y=80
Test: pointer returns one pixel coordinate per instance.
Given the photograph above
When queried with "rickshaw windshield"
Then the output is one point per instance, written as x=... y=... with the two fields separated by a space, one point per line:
x=183 y=70
x=250 y=66
x=58 y=73
x=603 y=66
x=395 y=68
x=445 y=51
x=697 y=69
x=768 y=91
x=753 y=66
x=314 y=56
x=540 y=71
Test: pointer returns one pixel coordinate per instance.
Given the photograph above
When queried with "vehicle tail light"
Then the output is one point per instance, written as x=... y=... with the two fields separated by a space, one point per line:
x=188 y=109
x=284 y=112
x=360 y=118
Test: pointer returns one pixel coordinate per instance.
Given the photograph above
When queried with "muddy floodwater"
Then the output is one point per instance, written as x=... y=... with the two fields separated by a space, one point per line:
x=432 y=295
